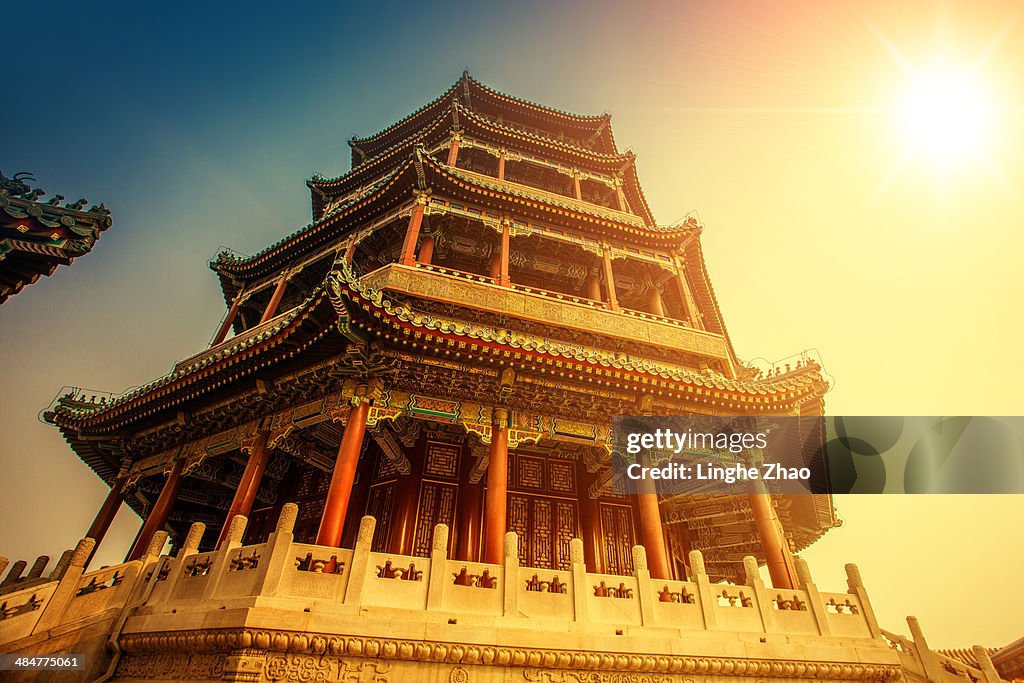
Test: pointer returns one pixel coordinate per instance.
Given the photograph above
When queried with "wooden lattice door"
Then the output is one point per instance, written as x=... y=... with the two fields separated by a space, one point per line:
x=617 y=538
x=545 y=527
x=437 y=506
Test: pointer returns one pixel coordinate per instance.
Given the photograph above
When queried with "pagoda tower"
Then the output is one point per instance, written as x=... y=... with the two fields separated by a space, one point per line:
x=445 y=343
x=393 y=460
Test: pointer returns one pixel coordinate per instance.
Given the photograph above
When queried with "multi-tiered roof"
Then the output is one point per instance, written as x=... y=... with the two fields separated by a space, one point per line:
x=555 y=326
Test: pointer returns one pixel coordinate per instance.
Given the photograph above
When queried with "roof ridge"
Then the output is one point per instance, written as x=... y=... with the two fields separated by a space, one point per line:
x=598 y=118
x=494 y=124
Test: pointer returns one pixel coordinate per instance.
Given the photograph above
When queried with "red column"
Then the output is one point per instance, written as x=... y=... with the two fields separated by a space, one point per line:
x=576 y=185
x=773 y=543
x=503 y=278
x=501 y=165
x=275 y=300
x=333 y=521
x=620 y=197
x=249 y=485
x=497 y=490
x=412 y=234
x=453 y=151
x=222 y=333
x=426 y=250
x=161 y=511
x=593 y=284
x=495 y=268
x=609 y=279
x=107 y=512
x=654 y=302
x=653 y=536
x=692 y=315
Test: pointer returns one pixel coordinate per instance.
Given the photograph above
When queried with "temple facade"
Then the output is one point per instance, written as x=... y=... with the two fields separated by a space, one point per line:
x=393 y=460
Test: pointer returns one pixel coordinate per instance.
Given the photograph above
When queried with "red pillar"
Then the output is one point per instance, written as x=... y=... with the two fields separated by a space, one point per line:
x=501 y=165
x=653 y=535
x=275 y=300
x=107 y=512
x=692 y=315
x=495 y=268
x=654 y=302
x=576 y=185
x=503 y=278
x=776 y=550
x=222 y=333
x=453 y=151
x=249 y=485
x=333 y=520
x=609 y=279
x=426 y=250
x=620 y=197
x=495 y=524
x=593 y=284
x=161 y=511
x=412 y=234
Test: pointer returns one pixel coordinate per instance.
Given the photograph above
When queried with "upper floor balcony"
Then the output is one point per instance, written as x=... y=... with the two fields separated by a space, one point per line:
x=447 y=285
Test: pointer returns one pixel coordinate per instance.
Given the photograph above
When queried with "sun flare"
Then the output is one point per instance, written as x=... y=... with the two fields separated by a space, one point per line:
x=947 y=116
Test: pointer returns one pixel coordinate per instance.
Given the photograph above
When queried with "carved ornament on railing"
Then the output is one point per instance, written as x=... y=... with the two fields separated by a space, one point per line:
x=681 y=596
x=33 y=603
x=603 y=591
x=243 y=562
x=794 y=604
x=482 y=580
x=198 y=567
x=312 y=564
x=740 y=600
x=555 y=585
x=847 y=607
x=95 y=584
x=410 y=573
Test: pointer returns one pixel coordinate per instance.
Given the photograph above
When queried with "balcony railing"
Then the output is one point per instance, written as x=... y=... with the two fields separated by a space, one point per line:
x=477 y=291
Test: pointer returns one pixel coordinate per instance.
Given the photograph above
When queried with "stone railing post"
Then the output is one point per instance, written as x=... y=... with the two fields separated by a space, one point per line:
x=154 y=549
x=438 y=567
x=752 y=578
x=175 y=565
x=988 y=669
x=579 y=580
x=932 y=669
x=38 y=566
x=67 y=588
x=644 y=586
x=149 y=559
x=856 y=587
x=511 y=566
x=707 y=602
x=277 y=554
x=360 y=561
x=232 y=541
x=62 y=564
x=14 y=574
x=815 y=603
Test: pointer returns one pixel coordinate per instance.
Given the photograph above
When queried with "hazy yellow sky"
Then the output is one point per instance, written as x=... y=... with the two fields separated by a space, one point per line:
x=780 y=124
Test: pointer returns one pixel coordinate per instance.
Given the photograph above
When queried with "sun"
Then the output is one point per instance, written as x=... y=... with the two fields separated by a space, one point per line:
x=947 y=116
